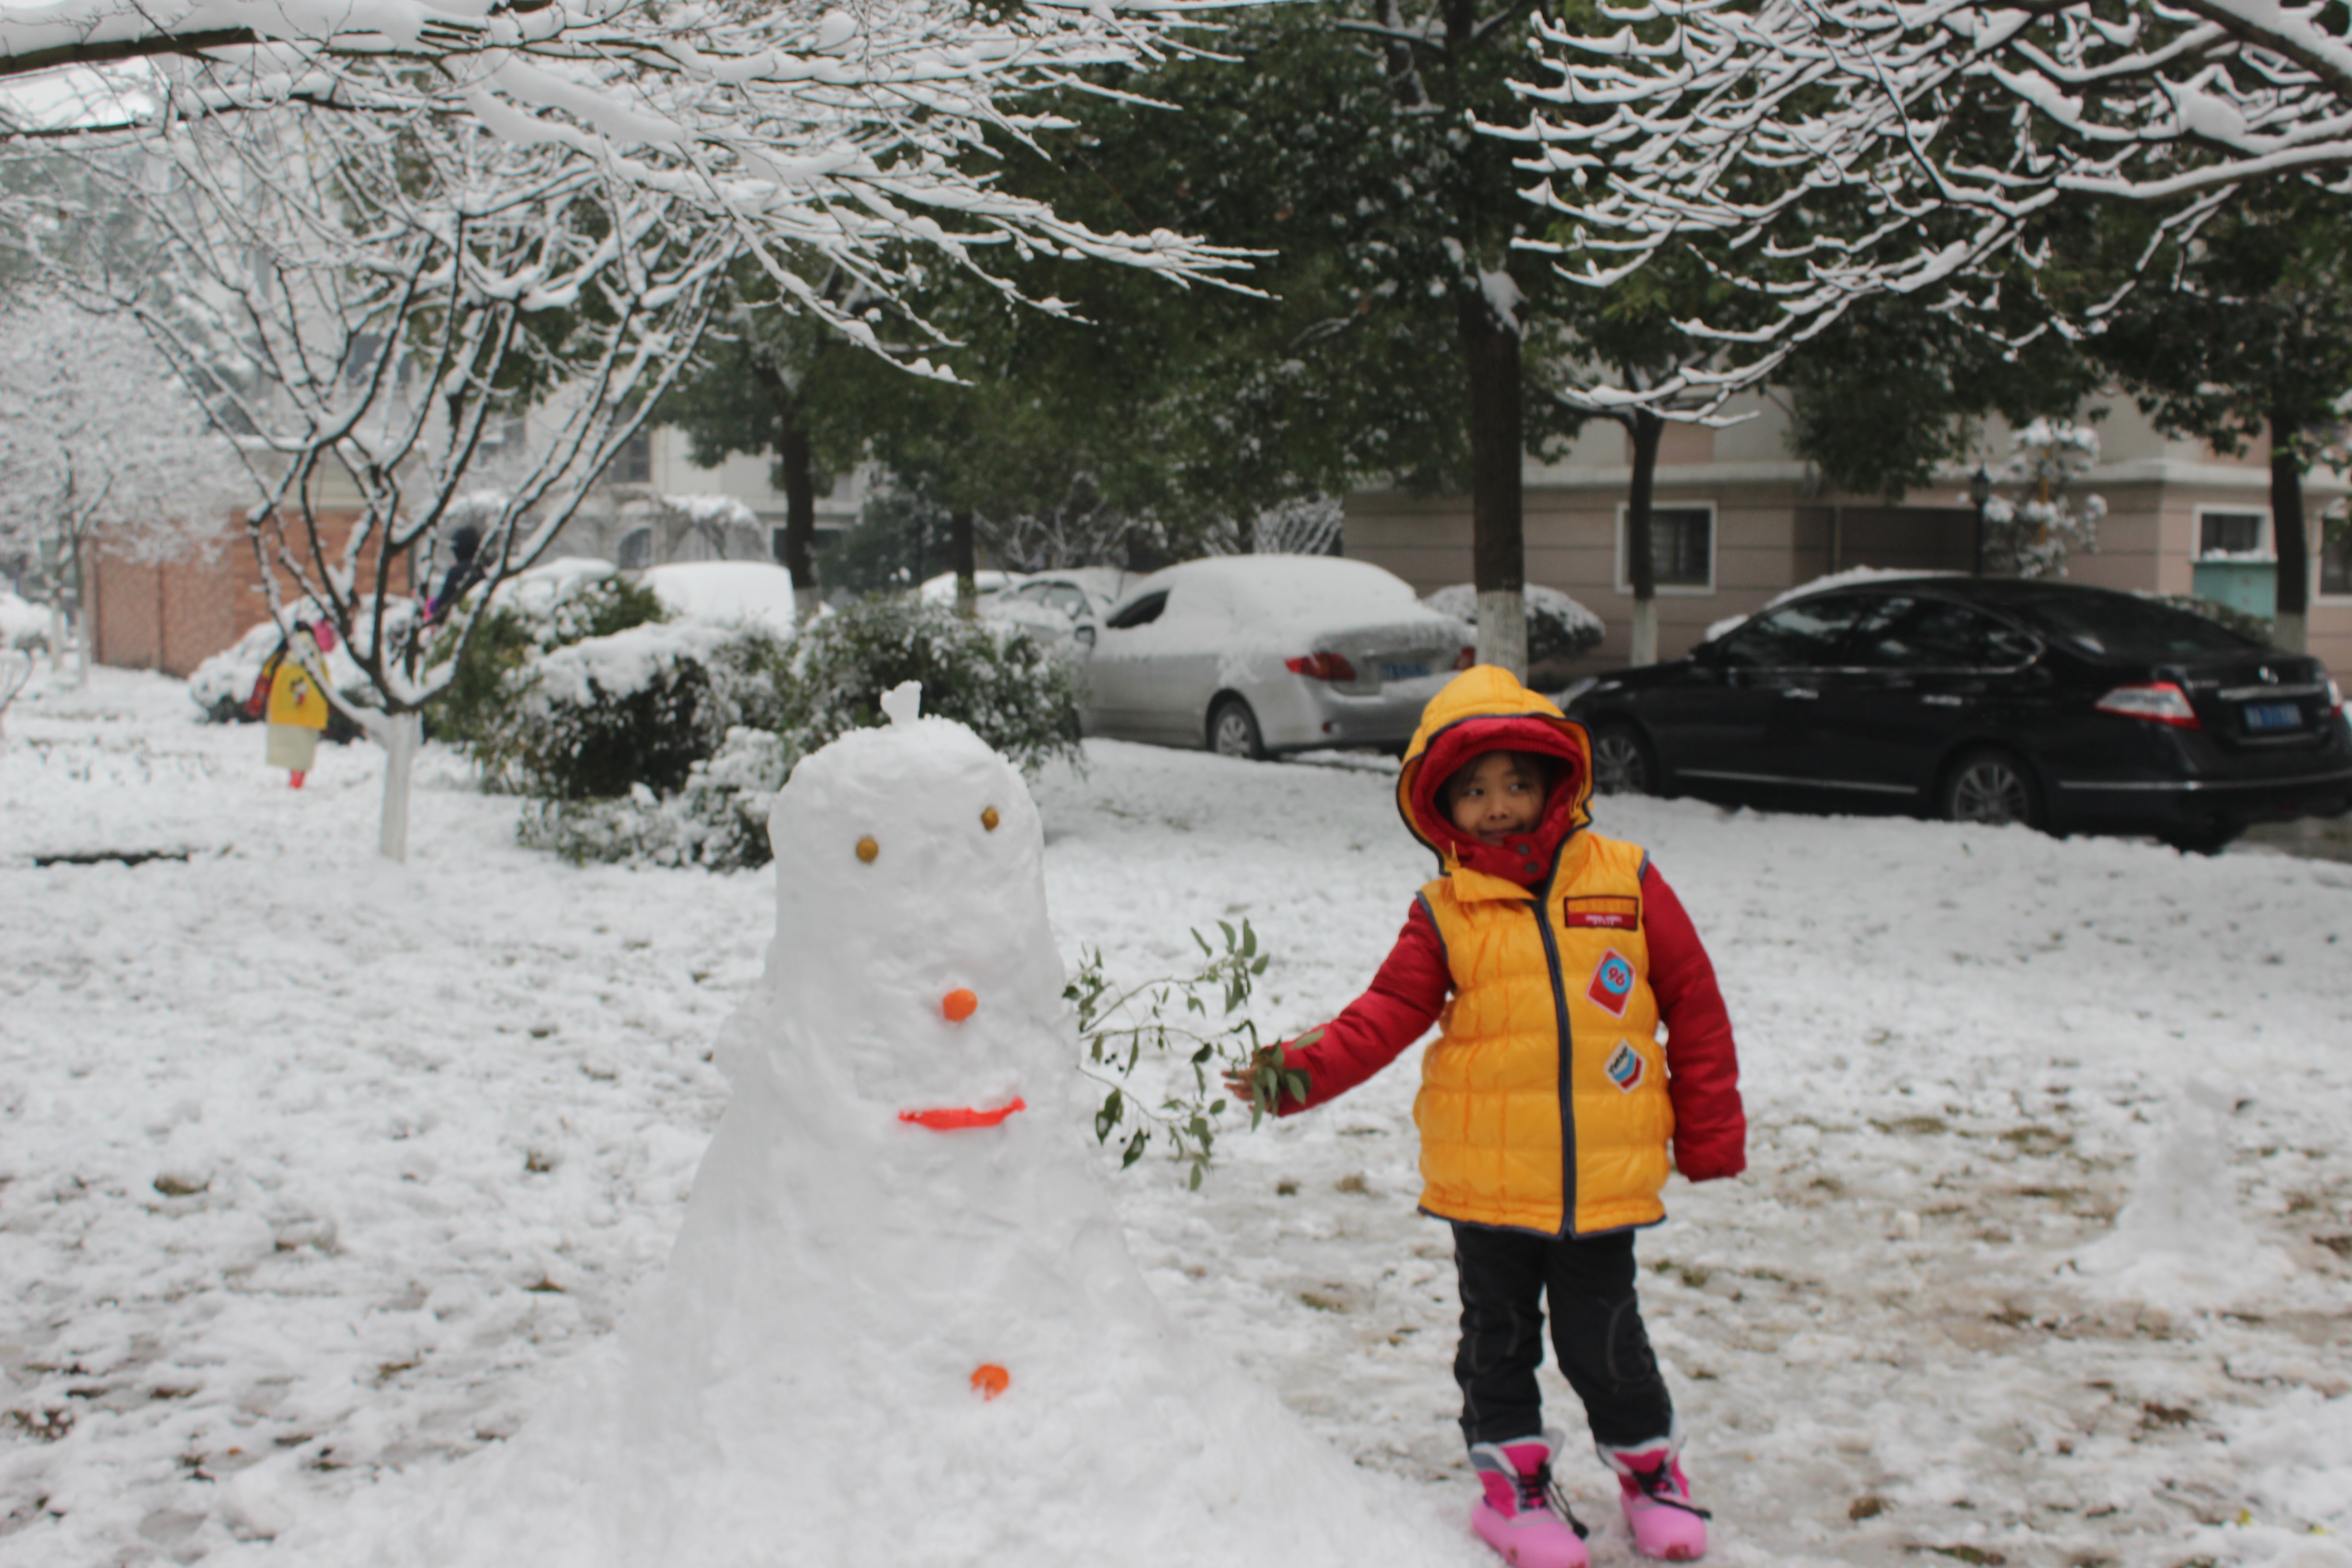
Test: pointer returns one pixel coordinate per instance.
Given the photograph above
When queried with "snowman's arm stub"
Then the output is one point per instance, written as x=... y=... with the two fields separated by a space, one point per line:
x=1398 y=1008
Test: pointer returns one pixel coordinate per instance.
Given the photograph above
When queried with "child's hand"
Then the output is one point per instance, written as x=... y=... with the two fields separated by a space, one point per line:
x=1269 y=1077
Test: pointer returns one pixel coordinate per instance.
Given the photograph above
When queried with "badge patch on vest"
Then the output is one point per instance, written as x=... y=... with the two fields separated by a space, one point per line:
x=1613 y=983
x=1606 y=912
x=1625 y=1067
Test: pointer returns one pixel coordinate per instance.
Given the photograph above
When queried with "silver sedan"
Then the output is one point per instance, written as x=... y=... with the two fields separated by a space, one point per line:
x=1253 y=655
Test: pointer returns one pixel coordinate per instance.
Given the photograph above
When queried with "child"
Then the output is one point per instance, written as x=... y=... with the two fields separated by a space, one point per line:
x=1545 y=1182
x=298 y=708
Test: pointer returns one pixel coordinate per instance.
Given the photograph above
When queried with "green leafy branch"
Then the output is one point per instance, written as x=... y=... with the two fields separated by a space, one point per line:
x=1171 y=1014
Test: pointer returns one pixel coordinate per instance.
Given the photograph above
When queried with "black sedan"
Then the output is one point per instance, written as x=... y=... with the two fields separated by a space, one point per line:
x=2060 y=707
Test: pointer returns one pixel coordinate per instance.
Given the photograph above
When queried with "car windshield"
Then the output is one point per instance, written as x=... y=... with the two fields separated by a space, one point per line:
x=2122 y=626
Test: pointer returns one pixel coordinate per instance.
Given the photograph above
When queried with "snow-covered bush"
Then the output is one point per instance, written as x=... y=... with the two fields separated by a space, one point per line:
x=601 y=717
x=1559 y=630
x=991 y=675
x=665 y=744
x=553 y=606
x=719 y=821
x=2032 y=535
x=22 y=623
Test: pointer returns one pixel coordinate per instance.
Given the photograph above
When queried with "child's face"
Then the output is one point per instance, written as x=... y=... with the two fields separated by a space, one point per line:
x=1499 y=797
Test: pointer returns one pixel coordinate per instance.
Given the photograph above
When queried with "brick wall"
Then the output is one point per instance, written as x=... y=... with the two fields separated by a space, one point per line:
x=174 y=615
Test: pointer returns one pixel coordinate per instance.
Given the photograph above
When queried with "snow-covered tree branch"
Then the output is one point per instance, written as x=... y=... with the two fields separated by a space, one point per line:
x=1824 y=151
x=385 y=239
x=833 y=135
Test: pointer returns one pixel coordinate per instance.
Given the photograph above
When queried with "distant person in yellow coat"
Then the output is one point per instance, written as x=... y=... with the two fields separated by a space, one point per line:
x=298 y=708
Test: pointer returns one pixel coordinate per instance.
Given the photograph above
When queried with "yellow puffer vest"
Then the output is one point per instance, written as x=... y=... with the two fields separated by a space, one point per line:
x=295 y=698
x=1545 y=995
x=1543 y=1104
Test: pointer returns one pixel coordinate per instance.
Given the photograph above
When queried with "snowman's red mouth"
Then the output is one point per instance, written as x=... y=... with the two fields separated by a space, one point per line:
x=950 y=1119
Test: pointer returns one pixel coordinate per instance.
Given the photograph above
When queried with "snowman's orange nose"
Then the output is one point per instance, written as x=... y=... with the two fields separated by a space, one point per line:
x=959 y=1004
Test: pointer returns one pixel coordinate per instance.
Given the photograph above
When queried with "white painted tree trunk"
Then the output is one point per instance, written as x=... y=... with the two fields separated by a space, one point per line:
x=1645 y=631
x=806 y=604
x=2291 y=634
x=1503 y=630
x=402 y=735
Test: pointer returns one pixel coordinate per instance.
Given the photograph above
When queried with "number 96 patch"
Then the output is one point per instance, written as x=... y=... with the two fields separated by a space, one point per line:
x=1613 y=983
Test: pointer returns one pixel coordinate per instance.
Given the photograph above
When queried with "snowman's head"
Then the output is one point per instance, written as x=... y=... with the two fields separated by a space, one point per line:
x=914 y=970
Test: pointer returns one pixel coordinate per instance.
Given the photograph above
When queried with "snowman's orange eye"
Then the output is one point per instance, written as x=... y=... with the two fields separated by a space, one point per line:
x=867 y=850
x=988 y=819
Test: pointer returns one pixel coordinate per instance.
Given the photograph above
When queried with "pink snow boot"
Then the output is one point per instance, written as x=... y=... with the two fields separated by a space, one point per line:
x=1523 y=1515
x=1665 y=1523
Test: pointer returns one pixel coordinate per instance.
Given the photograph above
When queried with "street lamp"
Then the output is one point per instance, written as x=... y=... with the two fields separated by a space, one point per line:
x=1979 y=492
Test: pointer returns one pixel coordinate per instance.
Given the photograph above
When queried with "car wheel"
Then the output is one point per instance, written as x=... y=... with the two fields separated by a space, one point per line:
x=1232 y=731
x=1991 y=786
x=1622 y=762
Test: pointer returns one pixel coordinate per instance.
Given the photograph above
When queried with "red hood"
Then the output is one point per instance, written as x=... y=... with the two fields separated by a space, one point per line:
x=1484 y=710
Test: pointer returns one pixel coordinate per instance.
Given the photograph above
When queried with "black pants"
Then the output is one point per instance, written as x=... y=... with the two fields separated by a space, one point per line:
x=1506 y=1278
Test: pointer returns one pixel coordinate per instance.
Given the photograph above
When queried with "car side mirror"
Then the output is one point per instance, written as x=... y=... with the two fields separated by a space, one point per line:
x=1085 y=635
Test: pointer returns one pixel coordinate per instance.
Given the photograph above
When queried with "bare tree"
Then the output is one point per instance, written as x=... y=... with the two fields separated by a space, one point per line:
x=101 y=446
x=372 y=271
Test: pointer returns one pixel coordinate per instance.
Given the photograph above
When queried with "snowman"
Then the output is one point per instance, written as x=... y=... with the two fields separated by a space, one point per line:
x=900 y=1323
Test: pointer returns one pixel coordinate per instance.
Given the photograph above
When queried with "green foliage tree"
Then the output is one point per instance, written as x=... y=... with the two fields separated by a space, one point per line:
x=1894 y=389
x=2245 y=332
x=1393 y=333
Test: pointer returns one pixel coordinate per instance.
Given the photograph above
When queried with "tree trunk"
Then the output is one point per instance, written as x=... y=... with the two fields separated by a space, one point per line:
x=795 y=468
x=966 y=558
x=1490 y=348
x=2289 y=540
x=401 y=735
x=1640 y=550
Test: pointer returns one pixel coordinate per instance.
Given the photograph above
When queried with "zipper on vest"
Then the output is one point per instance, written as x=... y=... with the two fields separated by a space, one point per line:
x=1542 y=909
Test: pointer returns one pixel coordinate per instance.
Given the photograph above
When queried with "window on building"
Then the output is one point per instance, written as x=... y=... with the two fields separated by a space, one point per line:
x=2336 y=555
x=636 y=550
x=1682 y=549
x=2229 y=532
x=634 y=463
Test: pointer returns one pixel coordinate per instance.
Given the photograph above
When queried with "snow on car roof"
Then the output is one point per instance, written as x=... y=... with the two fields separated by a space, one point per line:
x=1304 y=593
x=942 y=589
x=758 y=591
x=553 y=580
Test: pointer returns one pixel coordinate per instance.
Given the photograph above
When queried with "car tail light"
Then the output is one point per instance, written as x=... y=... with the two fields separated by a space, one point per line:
x=2159 y=702
x=1465 y=658
x=2335 y=698
x=1322 y=667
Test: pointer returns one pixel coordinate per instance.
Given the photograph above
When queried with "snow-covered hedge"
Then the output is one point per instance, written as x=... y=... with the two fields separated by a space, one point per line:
x=22 y=623
x=604 y=716
x=991 y=675
x=665 y=743
x=551 y=606
x=718 y=820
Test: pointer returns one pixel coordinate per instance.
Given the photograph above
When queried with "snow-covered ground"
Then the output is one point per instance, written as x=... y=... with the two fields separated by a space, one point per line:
x=311 y=1166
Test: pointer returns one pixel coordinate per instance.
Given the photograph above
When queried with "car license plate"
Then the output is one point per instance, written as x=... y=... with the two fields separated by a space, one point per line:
x=2274 y=715
x=1393 y=670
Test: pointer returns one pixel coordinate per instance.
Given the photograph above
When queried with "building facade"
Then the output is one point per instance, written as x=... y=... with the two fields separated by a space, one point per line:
x=1739 y=520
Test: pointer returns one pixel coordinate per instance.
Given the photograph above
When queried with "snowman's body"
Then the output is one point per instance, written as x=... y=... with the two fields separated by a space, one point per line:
x=798 y=1386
